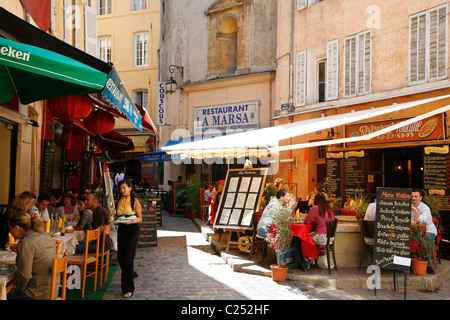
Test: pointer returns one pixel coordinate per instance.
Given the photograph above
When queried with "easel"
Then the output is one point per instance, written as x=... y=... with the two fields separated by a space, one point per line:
x=395 y=282
x=238 y=233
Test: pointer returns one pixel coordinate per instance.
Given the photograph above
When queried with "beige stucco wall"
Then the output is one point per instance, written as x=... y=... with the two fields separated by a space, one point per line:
x=334 y=19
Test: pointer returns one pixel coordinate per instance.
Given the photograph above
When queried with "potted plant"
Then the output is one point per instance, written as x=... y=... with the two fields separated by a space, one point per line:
x=422 y=247
x=193 y=188
x=279 y=238
x=435 y=205
x=337 y=204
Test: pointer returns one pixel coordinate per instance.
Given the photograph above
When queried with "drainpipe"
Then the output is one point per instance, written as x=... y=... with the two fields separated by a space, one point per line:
x=291 y=83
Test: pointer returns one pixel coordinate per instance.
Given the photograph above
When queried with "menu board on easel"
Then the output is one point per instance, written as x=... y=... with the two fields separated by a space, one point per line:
x=392 y=229
x=436 y=168
x=241 y=197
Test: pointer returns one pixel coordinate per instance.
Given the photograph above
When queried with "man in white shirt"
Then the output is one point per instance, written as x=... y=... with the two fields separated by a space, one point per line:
x=421 y=213
x=119 y=177
x=40 y=208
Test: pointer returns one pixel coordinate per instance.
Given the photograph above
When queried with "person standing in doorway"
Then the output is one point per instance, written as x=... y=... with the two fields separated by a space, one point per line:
x=128 y=205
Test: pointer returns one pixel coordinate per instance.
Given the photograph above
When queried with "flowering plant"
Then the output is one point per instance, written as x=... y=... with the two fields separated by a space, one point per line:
x=422 y=246
x=280 y=234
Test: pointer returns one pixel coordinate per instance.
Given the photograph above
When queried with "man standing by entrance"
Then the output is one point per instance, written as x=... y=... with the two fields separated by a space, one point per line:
x=421 y=213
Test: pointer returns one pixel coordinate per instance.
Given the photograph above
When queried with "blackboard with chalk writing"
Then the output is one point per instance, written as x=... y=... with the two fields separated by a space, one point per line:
x=392 y=229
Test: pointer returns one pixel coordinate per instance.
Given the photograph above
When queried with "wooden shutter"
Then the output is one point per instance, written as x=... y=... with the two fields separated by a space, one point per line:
x=300 y=76
x=90 y=30
x=332 y=90
x=417 y=49
x=364 y=68
x=302 y=4
x=438 y=40
x=67 y=23
x=350 y=66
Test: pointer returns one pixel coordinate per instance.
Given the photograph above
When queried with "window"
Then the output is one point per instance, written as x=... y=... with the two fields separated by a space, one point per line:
x=428 y=45
x=104 y=45
x=104 y=6
x=141 y=49
x=137 y=5
x=317 y=74
x=141 y=98
x=358 y=64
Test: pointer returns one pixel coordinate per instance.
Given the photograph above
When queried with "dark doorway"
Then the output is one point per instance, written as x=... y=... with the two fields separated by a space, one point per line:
x=403 y=167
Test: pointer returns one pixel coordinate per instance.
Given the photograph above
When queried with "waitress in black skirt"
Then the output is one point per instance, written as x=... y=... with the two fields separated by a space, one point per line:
x=127 y=235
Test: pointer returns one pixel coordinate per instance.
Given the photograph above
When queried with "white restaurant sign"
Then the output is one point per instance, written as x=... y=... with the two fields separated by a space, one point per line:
x=235 y=117
x=161 y=103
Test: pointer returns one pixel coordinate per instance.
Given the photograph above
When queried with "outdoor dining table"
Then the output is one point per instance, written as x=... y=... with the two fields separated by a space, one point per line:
x=6 y=277
x=309 y=248
x=70 y=241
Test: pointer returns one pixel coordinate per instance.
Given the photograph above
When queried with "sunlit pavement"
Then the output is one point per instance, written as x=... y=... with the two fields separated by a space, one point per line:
x=186 y=266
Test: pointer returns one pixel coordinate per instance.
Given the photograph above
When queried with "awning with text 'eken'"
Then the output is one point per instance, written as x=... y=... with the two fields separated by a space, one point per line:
x=269 y=138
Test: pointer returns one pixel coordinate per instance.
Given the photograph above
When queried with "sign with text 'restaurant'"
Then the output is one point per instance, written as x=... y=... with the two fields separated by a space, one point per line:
x=161 y=103
x=236 y=117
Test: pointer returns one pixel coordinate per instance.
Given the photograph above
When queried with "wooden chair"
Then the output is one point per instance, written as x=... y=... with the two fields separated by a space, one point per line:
x=256 y=238
x=104 y=255
x=329 y=246
x=83 y=260
x=367 y=232
x=59 y=268
x=57 y=247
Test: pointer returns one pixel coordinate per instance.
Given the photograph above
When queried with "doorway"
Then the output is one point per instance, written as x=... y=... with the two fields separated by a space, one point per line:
x=394 y=167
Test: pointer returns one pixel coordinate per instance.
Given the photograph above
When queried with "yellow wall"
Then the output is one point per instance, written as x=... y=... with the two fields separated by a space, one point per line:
x=121 y=25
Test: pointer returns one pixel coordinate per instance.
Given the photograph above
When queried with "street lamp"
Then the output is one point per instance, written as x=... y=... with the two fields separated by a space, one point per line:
x=171 y=84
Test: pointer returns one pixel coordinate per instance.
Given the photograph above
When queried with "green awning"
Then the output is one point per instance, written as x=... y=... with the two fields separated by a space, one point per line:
x=37 y=74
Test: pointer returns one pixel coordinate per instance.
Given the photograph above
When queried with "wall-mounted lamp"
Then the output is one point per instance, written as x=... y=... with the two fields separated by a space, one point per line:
x=171 y=84
x=57 y=130
x=33 y=123
x=330 y=134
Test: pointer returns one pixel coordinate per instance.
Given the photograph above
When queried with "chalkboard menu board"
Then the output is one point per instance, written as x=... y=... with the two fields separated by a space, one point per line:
x=392 y=228
x=355 y=180
x=241 y=197
x=148 y=226
x=436 y=173
x=335 y=173
x=48 y=162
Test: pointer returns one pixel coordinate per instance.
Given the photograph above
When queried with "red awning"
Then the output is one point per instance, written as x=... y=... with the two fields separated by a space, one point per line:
x=40 y=12
x=146 y=120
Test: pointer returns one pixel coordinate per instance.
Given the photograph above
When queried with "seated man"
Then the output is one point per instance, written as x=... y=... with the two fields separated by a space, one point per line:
x=100 y=218
x=40 y=208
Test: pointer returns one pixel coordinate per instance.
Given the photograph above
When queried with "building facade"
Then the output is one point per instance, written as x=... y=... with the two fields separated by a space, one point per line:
x=356 y=55
x=221 y=55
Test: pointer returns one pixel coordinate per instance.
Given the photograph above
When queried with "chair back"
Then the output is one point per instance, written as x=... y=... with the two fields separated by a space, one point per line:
x=91 y=235
x=59 y=267
x=368 y=228
x=57 y=247
x=331 y=229
x=106 y=231
x=256 y=217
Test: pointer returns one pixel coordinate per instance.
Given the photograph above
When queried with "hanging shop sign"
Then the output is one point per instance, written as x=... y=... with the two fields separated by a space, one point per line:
x=161 y=103
x=431 y=128
x=116 y=95
x=227 y=117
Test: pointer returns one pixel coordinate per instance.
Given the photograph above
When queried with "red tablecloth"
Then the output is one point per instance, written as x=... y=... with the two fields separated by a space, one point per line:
x=309 y=248
x=348 y=212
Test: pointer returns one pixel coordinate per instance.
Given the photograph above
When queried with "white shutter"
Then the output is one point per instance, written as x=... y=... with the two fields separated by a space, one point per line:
x=300 y=79
x=417 y=49
x=302 y=4
x=90 y=30
x=332 y=70
x=67 y=23
x=437 y=31
x=350 y=66
x=364 y=70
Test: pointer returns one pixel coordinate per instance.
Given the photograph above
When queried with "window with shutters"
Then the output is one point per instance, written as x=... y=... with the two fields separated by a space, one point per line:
x=104 y=7
x=141 y=98
x=137 y=5
x=141 y=49
x=104 y=45
x=358 y=64
x=317 y=74
x=302 y=4
x=428 y=45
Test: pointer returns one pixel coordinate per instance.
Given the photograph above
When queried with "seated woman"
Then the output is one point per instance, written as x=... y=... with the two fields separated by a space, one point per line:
x=69 y=209
x=85 y=222
x=318 y=217
x=35 y=254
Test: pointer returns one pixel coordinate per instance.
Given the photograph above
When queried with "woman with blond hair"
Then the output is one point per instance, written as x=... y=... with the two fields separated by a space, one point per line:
x=19 y=203
x=35 y=254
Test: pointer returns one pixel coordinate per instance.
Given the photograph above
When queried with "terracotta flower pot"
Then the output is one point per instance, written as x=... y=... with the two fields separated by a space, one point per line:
x=279 y=273
x=419 y=267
